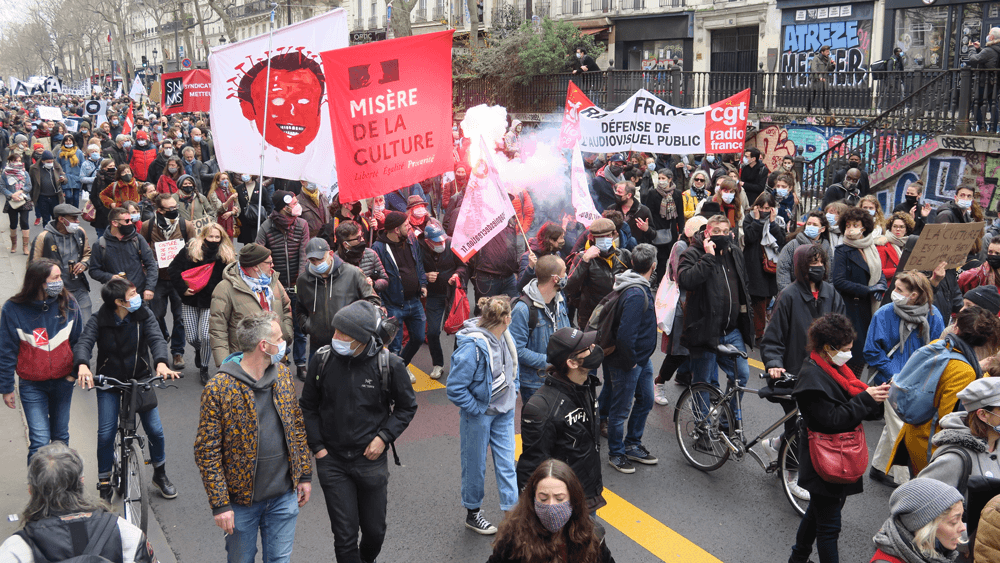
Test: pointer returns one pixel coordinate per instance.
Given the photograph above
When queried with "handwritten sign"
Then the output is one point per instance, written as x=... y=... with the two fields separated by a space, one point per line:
x=167 y=250
x=50 y=113
x=944 y=242
x=202 y=222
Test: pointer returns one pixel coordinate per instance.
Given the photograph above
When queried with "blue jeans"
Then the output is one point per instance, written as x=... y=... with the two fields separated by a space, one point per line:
x=72 y=196
x=299 y=354
x=604 y=398
x=412 y=314
x=108 y=406
x=705 y=368
x=820 y=524
x=44 y=207
x=437 y=306
x=275 y=518
x=46 y=408
x=478 y=431
x=635 y=383
x=488 y=285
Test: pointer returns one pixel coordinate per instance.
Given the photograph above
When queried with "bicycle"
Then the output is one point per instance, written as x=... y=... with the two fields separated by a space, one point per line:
x=128 y=477
x=709 y=433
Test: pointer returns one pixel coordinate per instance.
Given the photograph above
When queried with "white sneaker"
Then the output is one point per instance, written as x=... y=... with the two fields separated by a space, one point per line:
x=793 y=485
x=660 y=396
x=437 y=372
x=770 y=447
x=413 y=378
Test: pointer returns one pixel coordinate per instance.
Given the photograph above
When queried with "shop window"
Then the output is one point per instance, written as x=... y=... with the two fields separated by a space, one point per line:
x=921 y=33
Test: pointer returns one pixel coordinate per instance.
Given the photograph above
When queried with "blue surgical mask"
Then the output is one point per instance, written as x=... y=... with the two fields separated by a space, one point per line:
x=811 y=231
x=280 y=354
x=134 y=303
x=710 y=158
x=196 y=138
x=245 y=178
x=871 y=212
x=604 y=243
x=341 y=347
x=831 y=218
x=964 y=203
x=95 y=156
x=127 y=145
x=782 y=193
x=136 y=217
x=319 y=269
x=728 y=196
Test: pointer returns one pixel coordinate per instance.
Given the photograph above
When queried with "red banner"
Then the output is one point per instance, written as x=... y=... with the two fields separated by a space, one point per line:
x=576 y=100
x=726 y=124
x=186 y=91
x=390 y=112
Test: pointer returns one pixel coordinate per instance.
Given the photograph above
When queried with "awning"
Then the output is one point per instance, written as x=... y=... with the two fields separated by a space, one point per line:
x=593 y=30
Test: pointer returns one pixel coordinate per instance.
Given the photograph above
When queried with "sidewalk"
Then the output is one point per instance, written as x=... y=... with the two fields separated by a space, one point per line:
x=83 y=432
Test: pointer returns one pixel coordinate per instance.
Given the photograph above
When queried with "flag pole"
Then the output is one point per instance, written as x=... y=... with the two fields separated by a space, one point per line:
x=263 y=132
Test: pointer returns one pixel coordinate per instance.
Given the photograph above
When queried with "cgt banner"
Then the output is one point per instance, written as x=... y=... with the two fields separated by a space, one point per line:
x=647 y=123
x=390 y=106
x=186 y=91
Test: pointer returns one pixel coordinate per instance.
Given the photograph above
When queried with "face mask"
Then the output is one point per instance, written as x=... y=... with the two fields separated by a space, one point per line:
x=109 y=175
x=710 y=158
x=579 y=56
x=158 y=128
x=53 y=288
x=817 y=273
x=620 y=199
x=68 y=145
x=136 y=217
x=187 y=188
x=114 y=122
x=280 y=354
x=224 y=183
x=853 y=234
x=172 y=170
x=911 y=200
x=782 y=193
x=728 y=196
x=189 y=160
x=245 y=178
x=126 y=230
x=831 y=218
x=841 y=358
x=74 y=227
x=664 y=184
x=196 y=138
x=855 y=165
x=993 y=261
x=595 y=359
x=95 y=156
x=871 y=212
x=141 y=143
x=134 y=303
x=171 y=214
x=553 y=516
x=651 y=166
x=354 y=252
x=295 y=210
x=320 y=269
x=604 y=243
x=899 y=298
x=342 y=348
x=263 y=279
x=126 y=178
x=615 y=169
x=419 y=212
x=811 y=231
x=964 y=203
x=168 y=152
x=721 y=241
x=746 y=160
x=438 y=248
x=212 y=246
x=127 y=145
x=561 y=282
x=48 y=165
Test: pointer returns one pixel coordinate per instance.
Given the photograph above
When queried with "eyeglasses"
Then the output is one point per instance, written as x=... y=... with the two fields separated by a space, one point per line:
x=699 y=180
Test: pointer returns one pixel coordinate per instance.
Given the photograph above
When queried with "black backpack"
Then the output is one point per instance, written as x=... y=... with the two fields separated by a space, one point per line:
x=607 y=315
x=88 y=546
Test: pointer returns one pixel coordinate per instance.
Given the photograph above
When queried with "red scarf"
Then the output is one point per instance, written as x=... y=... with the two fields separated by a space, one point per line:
x=729 y=210
x=842 y=375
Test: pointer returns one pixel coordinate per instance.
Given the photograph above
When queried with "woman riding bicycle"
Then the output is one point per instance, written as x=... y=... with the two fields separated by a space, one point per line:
x=126 y=332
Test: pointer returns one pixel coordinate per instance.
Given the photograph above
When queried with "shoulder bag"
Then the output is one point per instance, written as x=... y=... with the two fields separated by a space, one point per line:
x=839 y=458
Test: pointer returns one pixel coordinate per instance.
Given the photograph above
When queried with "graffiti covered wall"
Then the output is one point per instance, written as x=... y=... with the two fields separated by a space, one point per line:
x=846 y=29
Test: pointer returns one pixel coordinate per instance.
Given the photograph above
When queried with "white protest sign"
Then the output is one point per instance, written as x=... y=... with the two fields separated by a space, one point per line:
x=583 y=204
x=167 y=250
x=49 y=112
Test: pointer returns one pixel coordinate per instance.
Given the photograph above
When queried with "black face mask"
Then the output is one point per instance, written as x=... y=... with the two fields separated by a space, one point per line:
x=126 y=230
x=187 y=189
x=594 y=360
x=911 y=200
x=126 y=178
x=993 y=261
x=109 y=175
x=721 y=241
x=817 y=273
x=212 y=246
x=620 y=199
x=171 y=213
x=615 y=169
x=355 y=252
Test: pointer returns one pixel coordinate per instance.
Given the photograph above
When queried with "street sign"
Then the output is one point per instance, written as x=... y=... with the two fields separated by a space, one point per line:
x=180 y=51
x=186 y=63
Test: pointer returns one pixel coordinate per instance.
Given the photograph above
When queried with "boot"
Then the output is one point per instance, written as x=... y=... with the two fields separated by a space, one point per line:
x=161 y=482
x=13 y=242
x=26 y=242
x=203 y=375
x=105 y=491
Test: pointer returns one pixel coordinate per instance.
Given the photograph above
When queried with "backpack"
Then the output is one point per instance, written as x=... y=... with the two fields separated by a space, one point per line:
x=532 y=312
x=606 y=317
x=384 y=375
x=104 y=248
x=912 y=390
x=89 y=546
x=879 y=66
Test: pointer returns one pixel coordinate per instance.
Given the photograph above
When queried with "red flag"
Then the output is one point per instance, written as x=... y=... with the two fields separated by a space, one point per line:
x=486 y=207
x=726 y=124
x=129 y=120
x=390 y=112
x=109 y=37
x=576 y=100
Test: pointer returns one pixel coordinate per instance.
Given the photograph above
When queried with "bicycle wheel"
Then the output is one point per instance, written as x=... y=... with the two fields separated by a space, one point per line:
x=789 y=456
x=698 y=425
x=135 y=501
x=116 y=465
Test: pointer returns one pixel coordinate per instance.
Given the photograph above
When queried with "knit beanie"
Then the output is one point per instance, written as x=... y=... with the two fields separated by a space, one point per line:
x=986 y=296
x=921 y=500
x=19 y=138
x=47 y=155
x=281 y=199
x=359 y=320
x=253 y=254
x=393 y=219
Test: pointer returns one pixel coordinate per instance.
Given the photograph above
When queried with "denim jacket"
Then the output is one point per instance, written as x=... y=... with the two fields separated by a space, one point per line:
x=471 y=374
x=532 y=344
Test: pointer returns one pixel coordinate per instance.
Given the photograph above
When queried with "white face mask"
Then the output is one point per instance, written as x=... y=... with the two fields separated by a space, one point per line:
x=899 y=298
x=841 y=358
x=168 y=152
x=728 y=196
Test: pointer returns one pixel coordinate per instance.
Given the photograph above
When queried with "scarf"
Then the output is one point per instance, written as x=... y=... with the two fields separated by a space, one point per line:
x=700 y=195
x=313 y=197
x=609 y=176
x=169 y=227
x=867 y=247
x=281 y=221
x=842 y=375
x=911 y=317
x=69 y=154
x=257 y=287
x=668 y=208
x=896 y=242
x=729 y=210
x=17 y=172
x=966 y=349
x=893 y=539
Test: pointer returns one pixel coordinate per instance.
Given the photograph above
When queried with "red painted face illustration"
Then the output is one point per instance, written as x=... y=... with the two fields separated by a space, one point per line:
x=293 y=108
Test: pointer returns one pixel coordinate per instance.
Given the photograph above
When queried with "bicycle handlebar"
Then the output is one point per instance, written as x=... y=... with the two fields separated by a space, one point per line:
x=106 y=382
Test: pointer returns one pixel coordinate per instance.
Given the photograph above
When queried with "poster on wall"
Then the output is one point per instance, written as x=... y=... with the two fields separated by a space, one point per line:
x=846 y=29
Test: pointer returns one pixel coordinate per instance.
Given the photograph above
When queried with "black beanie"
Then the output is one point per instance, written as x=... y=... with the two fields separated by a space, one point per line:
x=985 y=296
x=280 y=199
x=359 y=320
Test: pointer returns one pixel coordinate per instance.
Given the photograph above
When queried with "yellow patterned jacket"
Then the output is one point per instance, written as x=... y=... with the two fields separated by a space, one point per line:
x=225 y=447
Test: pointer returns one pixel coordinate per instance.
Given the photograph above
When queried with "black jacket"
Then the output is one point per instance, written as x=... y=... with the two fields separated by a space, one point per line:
x=446 y=264
x=656 y=222
x=640 y=211
x=754 y=179
x=826 y=407
x=118 y=154
x=759 y=282
x=595 y=279
x=864 y=183
x=155 y=169
x=501 y=554
x=850 y=277
x=183 y=262
x=837 y=192
x=986 y=57
x=346 y=410
x=952 y=213
x=701 y=275
x=130 y=255
x=122 y=351
x=560 y=421
x=249 y=211
x=784 y=344
x=585 y=61
x=319 y=298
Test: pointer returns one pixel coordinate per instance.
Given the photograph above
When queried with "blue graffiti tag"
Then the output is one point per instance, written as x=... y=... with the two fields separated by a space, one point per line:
x=810 y=37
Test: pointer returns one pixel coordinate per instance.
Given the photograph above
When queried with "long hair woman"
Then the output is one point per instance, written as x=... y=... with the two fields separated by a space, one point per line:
x=550 y=522
x=815 y=230
x=15 y=184
x=43 y=324
x=223 y=196
x=125 y=188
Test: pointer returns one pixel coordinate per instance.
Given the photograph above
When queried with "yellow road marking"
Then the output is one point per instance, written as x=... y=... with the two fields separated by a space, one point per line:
x=756 y=364
x=424 y=381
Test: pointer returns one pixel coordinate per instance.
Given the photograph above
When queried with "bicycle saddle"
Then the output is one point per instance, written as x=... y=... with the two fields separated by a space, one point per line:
x=730 y=350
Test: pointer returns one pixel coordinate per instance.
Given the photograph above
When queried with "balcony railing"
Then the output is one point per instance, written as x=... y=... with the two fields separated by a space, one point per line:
x=672 y=3
x=420 y=14
x=440 y=12
x=373 y=22
x=632 y=5
x=249 y=9
x=359 y=24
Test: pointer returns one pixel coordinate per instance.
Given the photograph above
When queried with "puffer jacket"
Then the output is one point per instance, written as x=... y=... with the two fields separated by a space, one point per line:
x=371 y=265
x=532 y=343
x=595 y=279
x=319 y=297
x=288 y=249
x=141 y=159
x=560 y=421
x=36 y=341
x=232 y=300
x=123 y=351
x=988 y=536
x=225 y=447
x=786 y=271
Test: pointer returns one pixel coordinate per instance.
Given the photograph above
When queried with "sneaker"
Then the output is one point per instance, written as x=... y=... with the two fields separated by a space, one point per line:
x=38 y=221
x=105 y=491
x=437 y=372
x=477 y=523
x=661 y=394
x=770 y=447
x=640 y=454
x=413 y=378
x=621 y=463
x=793 y=485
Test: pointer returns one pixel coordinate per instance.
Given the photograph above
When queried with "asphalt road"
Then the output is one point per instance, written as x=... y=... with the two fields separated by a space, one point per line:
x=735 y=514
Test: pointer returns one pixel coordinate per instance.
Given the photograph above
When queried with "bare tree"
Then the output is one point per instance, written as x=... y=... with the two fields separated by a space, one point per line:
x=401 y=10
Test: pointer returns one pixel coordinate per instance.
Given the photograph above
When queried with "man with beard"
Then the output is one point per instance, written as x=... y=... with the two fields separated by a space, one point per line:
x=603 y=188
x=353 y=249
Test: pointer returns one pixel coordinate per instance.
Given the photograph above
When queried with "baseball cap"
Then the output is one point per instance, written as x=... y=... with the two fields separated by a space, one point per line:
x=567 y=342
x=433 y=232
x=317 y=248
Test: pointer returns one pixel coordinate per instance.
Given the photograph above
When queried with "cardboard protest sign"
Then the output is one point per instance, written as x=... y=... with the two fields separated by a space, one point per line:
x=167 y=250
x=944 y=242
x=201 y=222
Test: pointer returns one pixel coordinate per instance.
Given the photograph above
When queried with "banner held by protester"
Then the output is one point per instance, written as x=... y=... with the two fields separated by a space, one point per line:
x=583 y=203
x=486 y=208
x=576 y=100
x=187 y=91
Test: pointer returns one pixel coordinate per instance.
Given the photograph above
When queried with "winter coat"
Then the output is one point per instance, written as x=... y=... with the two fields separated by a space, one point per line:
x=119 y=192
x=232 y=300
x=864 y=183
x=288 y=249
x=987 y=57
x=88 y=173
x=820 y=67
x=141 y=161
x=883 y=336
x=225 y=446
x=183 y=262
x=754 y=179
x=446 y=264
x=839 y=192
x=123 y=351
x=532 y=343
x=154 y=234
x=344 y=407
x=248 y=216
x=471 y=377
x=61 y=248
x=988 y=535
x=593 y=280
x=850 y=277
x=315 y=216
x=195 y=206
x=155 y=169
x=638 y=211
x=130 y=254
x=947 y=465
x=604 y=191
x=759 y=282
x=890 y=260
x=36 y=341
x=971 y=279
x=118 y=154
x=950 y=213
x=393 y=295
x=371 y=266
x=100 y=221
x=656 y=223
x=499 y=256
x=320 y=297
x=784 y=344
x=562 y=423
x=35 y=173
x=826 y=407
x=72 y=172
x=786 y=272
x=708 y=298
x=501 y=554
x=635 y=339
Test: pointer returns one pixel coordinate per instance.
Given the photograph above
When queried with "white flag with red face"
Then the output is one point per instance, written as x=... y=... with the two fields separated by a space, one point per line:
x=586 y=212
x=486 y=207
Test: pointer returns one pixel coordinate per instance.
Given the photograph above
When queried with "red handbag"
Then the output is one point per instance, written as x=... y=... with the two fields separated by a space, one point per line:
x=197 y=277
x=839 y=458
x=459 y=312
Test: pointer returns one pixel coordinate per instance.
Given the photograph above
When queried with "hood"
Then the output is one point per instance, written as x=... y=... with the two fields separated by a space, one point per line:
x=334 y=270
x=234 y=369
x=513 y=125
x=180 y=179
x=51 y=227
x=232 y=273
x=531 y=290
x=629 y=277
x=954 y=431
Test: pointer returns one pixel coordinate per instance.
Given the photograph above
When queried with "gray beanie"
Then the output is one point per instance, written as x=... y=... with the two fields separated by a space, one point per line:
x=19 y=138
x=921 y=500
x=359 y=320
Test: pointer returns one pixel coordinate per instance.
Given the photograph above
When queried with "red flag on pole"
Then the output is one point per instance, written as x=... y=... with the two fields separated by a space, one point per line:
x=129 y=120
x=576 y=100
